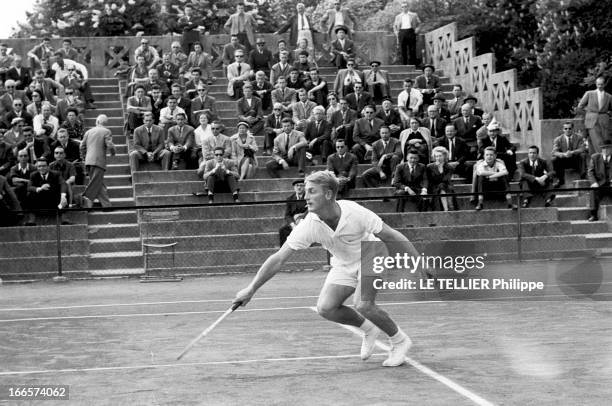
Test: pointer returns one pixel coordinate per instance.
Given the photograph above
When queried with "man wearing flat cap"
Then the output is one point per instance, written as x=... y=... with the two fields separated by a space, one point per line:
x=261 y=57
x=377 y=82
x=428 y=84
x=295 y=211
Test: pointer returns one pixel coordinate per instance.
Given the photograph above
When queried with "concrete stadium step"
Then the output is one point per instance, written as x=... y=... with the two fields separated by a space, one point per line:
x=117 y=180
x=573 y=213
x=102 y=81
x=119 y=158
x=122 y=201
x=599 y=240
x=118 y=169
x=102 y=105
x=116 y=260
x=111 y=96
x=589 y=227
x=114 y=245
x=112 y=121
x=120 y=191
x=116 y=230
x=105 y=88
x=42 y=233
x=113 y=217
x=23 y=250
x=121 y=149
x=42 y=266
x=116 y=272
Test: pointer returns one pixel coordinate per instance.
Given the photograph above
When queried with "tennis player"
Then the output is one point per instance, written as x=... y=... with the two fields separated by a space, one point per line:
x=340 y=226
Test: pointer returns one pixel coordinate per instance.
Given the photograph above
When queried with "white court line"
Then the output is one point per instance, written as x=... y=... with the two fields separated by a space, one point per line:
x=148 y=303
x=183 y=364
x=478 y=400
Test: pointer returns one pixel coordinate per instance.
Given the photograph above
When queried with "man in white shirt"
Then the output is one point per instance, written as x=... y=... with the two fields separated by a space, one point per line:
x=491 y=175
x=43 y=118
x=73 y=74
x=404 y=27
x=167 y=115
x=341 y=227
x=409 y=102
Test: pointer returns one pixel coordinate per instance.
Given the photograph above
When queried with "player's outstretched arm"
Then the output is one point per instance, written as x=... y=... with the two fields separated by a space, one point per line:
x=268 y=269
x=389 y=235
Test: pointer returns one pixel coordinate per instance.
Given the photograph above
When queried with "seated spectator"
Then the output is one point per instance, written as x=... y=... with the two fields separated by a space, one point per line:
x=281 y=46
x=428 y=84
x=219 y=173
x=303 y=65
x=202 y=60
x=409 y=102
x=365 y=133
x=343 y=121
x=440 y=103
x=263 y=89
x=289 y=149
x=138 y=75
x=65 y=169
x=273 y=127
x=6 y=61
x=249 y=109
x=46 y=191
x=281 y=68
x=215 y=139
x=244 y=148
x=377 y=82
x=72 y=153
x=346 y=78
x=386 y=155
x=194 y=82
x=434 y=123
x=302 y=109
x=123 y=70
x=390 y=117
x=333 y=105
x=283 y=95
x=11 y=95
x=482 y=132
x=295 y=210
x=40 y=51
x=293 y=80
x=260 y=58
x=36 y=146
x=410 y=181
x=344 y=165
x=203 y=130
x=7 y=156
x=8 y=204
x=45 y=117
x=47 y=87
x=177 y=56
x=67 y=50
x=304 y=49
x=317 y=89
x=203 y=104
x=73 y=75
x=158 y=102
x=503 y=148
x=491 y=178
x=70 y=102
x=168 y=115
x=457 y=153
x=454 y=104
x=168 y=71
x=466 y=126
x=318 y=134
x=19 y=111
x=152 y=81
x=237 y=73
x=536 y=177
x=342 y=48
x=137 y=105
x=359 y=99
x=181 y=101
x=14 y=136
x=229 y=51
x=150 y=54
x=180 y=142
x=568 y=152
x=20 y=74
x=73 y=125
x=471 y=101
x=600 y=176
x=417 y=138
x=19 y=176
x=47 y=71
x=35 y=108
x=439 y=174
x=149 y=145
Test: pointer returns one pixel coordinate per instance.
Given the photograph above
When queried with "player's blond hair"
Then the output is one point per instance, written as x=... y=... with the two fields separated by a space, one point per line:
x=326 y=179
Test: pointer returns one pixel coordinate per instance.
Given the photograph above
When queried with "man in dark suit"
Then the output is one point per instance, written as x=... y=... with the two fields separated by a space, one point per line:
x=46 y=190
x=289 y=149
x=168 y=71
x=181 y=100
x=136 y=106
x=390 y=117
x=301 y=27
x=536 y=177
x=148 y=144
x=458 y=153
x=180 y=143
x=466 y=126
x=377 y=82
x=344 y=165
x=281 y=68
x=263 y=89
x=261 y=58
x=20 y=74
x=409 y=181
x=7 y=157
x=249 y=109
x=359 y=98
x=283 y=95
x=294 y=212
x=439 y=101
x=568 y=152
x=8 y=203
x=600 y=176
x=203 y=103
x=386 y=155
x=70 y=146
x=366 y=133
x=434 y=123
x=343 y=121
x=19 y=111
x=19 y=176
x=428 y=84
x=318 y=134
x=273 y=127
x=342 y=48
x=503 y=148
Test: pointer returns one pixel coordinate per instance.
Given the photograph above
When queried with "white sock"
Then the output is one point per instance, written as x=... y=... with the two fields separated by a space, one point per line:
x=398 y=337
x=367 y=326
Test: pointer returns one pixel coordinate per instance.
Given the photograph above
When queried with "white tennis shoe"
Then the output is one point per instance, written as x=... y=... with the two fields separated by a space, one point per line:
x=397 y=355
x=369 y=342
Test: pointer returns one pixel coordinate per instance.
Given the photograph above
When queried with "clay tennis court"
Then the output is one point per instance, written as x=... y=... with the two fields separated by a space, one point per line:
x=115 y=342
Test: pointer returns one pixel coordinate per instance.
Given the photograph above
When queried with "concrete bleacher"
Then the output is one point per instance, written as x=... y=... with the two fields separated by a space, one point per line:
x=227 y=238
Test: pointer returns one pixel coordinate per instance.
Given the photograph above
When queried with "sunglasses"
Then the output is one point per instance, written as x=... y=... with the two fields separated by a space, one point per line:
x=218 y=154
x=215 y=128
x=69 y=93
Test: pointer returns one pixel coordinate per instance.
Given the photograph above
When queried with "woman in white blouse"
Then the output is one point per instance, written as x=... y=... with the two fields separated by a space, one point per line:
x=243 y=151
x=203 y=130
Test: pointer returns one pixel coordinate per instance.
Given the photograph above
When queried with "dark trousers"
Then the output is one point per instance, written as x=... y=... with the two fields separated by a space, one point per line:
x=407 y=44
x=345 y=186
x=576 y=162
x=269 y=140
x=510 y=162
x=597 y=195
x=85 y=90
x=360 y=151
x=323 y=148
x=417 y=200
x=96 y=189
x=465 y=169
x=299 y=160
x=532 y=188
x=485 y=185
x=221 y=181
x=244 y=40
x=371 y=177
x=378 y=93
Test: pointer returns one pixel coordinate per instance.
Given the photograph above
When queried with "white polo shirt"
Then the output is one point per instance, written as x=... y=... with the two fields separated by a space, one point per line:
x=356 y=224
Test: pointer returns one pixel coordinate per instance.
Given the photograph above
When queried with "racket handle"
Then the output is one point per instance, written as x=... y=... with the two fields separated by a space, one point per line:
x=236 y=305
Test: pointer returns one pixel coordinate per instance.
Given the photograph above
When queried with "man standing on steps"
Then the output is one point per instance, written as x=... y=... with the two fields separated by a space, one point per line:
x=96 y=142
x=597 y=105
x=404 y=27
